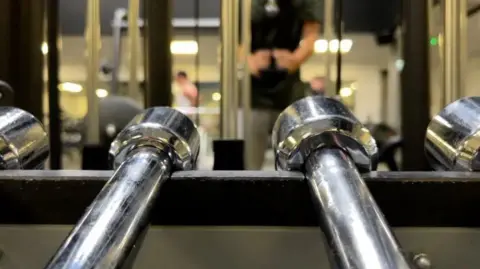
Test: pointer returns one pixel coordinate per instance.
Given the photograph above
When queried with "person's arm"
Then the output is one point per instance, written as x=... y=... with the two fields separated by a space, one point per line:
x=191 y=92
x=312 y=17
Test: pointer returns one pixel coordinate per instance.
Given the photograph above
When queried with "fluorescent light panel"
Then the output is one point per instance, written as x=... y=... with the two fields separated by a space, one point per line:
x=184 y=47
x=322 y=46
x=70 y=87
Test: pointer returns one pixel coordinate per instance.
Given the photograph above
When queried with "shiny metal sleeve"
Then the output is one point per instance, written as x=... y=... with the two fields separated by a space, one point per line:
x=355 y=229
x=108 y=231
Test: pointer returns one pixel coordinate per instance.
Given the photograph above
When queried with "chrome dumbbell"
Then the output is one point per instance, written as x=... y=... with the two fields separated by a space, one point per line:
x=452 y=141
x=322 y=138
x=23 y=140
x=144 y=154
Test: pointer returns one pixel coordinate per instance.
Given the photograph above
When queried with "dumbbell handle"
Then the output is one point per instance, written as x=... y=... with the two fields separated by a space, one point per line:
x=112 y=226
x=355 y=229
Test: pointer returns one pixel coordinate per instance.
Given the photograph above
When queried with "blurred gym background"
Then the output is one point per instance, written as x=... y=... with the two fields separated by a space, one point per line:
x=372 y=46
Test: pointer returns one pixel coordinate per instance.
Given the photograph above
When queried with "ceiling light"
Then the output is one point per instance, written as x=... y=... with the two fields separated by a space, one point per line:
x=399 y=64
x=184 y=47
x=333 y=46
x=346 y=92
x=346 y=45
x=321 y=46
x=70 y=87
x=216 y=96
x=44 y=48
x=101 y=93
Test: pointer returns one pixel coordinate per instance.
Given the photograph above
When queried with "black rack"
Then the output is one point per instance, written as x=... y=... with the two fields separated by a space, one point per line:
x=243 y=198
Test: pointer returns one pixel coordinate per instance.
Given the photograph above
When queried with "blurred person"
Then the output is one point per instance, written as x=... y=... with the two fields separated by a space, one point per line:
x=317 y=86
x=184 y=91
x=283 y=39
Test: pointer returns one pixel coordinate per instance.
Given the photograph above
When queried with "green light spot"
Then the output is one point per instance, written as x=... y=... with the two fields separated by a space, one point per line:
x=434 y=41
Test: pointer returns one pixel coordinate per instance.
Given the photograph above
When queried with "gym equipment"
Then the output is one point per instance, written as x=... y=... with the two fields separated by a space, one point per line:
x=228 y=155
x=452 y=140
x=23 y=140
x=115 y=112
x=321 y=137
x=6 y=94
x=388 y=143
x=144 y=154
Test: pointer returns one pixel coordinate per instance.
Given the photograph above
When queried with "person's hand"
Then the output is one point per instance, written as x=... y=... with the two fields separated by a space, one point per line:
x=258 y=61
x=286 y=60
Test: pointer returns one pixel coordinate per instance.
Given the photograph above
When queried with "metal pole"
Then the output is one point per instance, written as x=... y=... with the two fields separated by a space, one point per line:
x=384 y=94
x=454 y=65
x=133 y=40
x=53 y=92
x=339 y=25
x=463 y=46
x=157 y=55
x=415 y=104
x=112 y=225
x=354 y=226
x=228 y=79
x=117 y=48
x=93 y=39
x=328 y=35
x=246 y=83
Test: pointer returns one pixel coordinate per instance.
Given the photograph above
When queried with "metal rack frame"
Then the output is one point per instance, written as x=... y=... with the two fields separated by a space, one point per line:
x=243 y=198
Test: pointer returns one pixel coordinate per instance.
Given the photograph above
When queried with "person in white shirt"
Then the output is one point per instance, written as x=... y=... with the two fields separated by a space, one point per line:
x=184 y=91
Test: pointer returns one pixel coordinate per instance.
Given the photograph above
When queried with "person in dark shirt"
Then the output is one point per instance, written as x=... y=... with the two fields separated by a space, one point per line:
x=283 y=38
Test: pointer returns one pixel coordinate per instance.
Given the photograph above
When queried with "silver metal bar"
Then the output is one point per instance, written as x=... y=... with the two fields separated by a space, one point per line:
x=454 y=64
x=118 y=17
x=108 y=231
x=452 y=137
x=93 y=42
x=354 y=226
x=228 y=79
x=246 y=84
x=133 y=45
x=23 y=140
x=328 y=35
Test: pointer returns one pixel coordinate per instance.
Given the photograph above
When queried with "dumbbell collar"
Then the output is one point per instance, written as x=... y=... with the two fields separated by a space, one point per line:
x=452 y=140
x=164 y=129
x=23 y=141
x=317 y=122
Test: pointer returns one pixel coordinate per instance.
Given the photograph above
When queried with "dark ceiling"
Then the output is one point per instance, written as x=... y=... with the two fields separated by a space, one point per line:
x=359 y=15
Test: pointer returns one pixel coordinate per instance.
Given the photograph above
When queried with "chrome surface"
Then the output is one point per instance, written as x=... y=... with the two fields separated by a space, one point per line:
x=154 y=144
x=317 y=122
x=422 y=261
x=453 y=136
x=355 y=228
x=159 y=127
x=24 y=143
x=109 y=230
x=228 y=77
